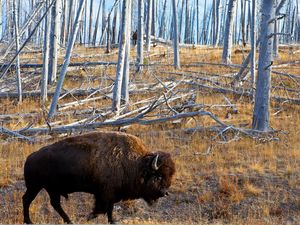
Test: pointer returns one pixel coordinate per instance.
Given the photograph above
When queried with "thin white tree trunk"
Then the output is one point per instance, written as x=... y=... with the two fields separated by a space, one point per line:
x=226 y=57
x=54 y=41
x=175 y=36
x=116 y=102
x=66 y=60
x=18 y=73
x=125 y=81
x=148 y=28
x=261 y=118
x=44 y=84
x=140 y=33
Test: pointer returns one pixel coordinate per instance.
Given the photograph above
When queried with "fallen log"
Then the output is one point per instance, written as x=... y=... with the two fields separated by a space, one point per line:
x=117 y=123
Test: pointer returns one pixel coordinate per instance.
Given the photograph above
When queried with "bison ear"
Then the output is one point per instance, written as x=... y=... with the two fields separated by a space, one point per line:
x=154 y=163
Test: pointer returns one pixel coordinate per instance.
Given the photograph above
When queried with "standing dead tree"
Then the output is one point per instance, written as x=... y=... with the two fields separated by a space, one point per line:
x=123 y=57
x=226 y=56
x=262 y=96
x=18 y=73
x=64 y=68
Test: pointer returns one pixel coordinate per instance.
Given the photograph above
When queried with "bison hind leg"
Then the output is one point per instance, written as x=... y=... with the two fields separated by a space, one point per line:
x=55 y=202
x=28 y=197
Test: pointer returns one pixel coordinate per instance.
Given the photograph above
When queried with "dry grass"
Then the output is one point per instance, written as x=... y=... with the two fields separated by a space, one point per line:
x=247 y=181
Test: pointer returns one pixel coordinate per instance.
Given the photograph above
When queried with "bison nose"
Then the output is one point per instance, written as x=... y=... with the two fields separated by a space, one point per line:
x=167 y=193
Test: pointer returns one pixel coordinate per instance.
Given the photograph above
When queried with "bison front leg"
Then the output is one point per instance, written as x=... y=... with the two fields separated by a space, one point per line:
x=102 y=207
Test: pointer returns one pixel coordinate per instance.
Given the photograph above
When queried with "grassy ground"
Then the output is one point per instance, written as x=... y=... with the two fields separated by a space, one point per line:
x=229 y=179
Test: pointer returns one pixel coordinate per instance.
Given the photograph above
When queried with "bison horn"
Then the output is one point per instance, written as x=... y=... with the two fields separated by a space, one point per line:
x=154 y=163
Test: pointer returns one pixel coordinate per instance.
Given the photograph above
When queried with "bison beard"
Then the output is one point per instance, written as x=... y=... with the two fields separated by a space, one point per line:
x=112 y=166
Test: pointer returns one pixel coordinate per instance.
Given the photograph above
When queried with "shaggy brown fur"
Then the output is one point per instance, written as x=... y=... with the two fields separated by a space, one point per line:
x=113 y=166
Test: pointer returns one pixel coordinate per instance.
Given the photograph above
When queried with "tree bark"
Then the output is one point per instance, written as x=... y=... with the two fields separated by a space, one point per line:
x=63 y=72
x=44 y=85
x=140 y=33
x=18 y=73
x=54 y=41
x=226 y=57
x=261 y=118
x=117 y=91
x=175 y=36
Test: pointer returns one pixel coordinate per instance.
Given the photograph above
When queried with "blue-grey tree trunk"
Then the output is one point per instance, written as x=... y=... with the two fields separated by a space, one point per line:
x=261 y=118
x=175 y=36
x=226 y=56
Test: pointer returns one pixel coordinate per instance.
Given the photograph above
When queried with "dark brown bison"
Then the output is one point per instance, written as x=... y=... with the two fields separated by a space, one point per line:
x=113 y=166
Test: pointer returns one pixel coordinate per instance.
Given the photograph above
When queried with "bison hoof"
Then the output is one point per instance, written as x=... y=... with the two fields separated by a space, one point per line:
x=91 y=216
x=113 y=222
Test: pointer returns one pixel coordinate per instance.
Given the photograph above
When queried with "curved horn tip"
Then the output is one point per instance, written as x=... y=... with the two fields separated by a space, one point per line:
x=154 y=163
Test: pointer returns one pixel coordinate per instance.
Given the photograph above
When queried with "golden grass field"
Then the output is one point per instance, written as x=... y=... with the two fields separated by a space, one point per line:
x=229 y=179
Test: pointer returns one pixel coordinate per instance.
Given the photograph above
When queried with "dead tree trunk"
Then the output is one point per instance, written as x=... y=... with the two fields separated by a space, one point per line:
x=148 y=28
x=64 y=68
x=18 y=73
x=175 y=36
x=54 y=41
x=121 y=67
x=226 y=57
x=44 y=85
x=140 y=33
x=262 y=96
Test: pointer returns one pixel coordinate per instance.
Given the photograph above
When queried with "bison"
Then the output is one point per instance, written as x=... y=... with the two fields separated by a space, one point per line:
x=113 y=166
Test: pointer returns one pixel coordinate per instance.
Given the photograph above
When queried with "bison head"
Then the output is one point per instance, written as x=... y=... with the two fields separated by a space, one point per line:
x=158 y=169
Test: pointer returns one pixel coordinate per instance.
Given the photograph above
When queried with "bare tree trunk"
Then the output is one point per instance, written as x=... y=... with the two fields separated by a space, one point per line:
x=140 y=33
x=276 y=27
x=262 y=97
x=226 y=57
x=64 y=23
x=121 y=67
x=66 y=60
x=198 y=22
x=253 y=45
x=175 y=36
x=114 y=26
x=187 y=32
x=204 y=34
x=162 y=27
x=18 y=73
x=104 y=23
x=97 y=24
x=125 y=81
x=108 y=35
x=148 y=28
x=70 y=16
x=153 y=26
x=91 y=21
x=44 y=85
x=54 y=41
x=181 y=20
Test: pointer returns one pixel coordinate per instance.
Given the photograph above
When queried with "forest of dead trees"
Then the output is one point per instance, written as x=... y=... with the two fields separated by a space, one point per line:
x=54 y=27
